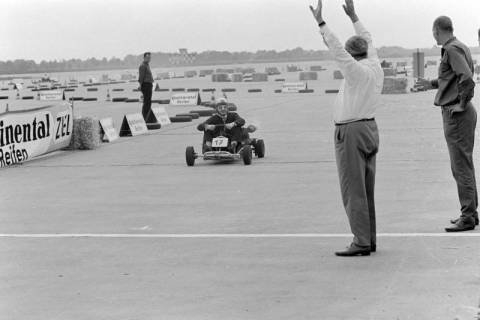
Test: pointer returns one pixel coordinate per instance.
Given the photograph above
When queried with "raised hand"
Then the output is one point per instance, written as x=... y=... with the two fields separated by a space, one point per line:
x=317 y=13
x=349 y=8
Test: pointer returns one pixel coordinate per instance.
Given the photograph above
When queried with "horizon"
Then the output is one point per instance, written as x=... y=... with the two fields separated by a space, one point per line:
x=47 y=30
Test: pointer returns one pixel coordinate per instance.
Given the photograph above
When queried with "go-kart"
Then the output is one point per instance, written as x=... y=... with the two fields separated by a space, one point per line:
x=222 y=149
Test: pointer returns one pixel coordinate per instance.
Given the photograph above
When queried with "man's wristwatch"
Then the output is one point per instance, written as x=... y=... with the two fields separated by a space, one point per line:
x=321 y=24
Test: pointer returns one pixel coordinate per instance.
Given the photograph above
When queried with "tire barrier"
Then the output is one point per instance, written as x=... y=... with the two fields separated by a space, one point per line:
x=161 y=101
x=90 y=99
x=117 y=89
x=3 y=97
x=254 y=90
x=209 y=90
x=204 y=73
x=191 y=115
x=259 y=77
x=331 y=91
x=308 y=75
x=203 y=113
x=4 y=89
x=178 y=90
x=229 y=90
x=337 y=75
x=132 y=100
x=280 y=80
x=162 y=90
x=119 y=99
x=394 y=85
x=136 y=90
x=306 y=91
x=92 y=89
x=190 y=74
x=69 y=90
x=27 y=98
x=181 y=119
x=278 y=91
x=76 y=98
x=193 y=90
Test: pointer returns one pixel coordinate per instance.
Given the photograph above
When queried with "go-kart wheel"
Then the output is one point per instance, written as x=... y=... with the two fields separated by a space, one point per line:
x=247 y=155
x=260 y=148
x=190 y=156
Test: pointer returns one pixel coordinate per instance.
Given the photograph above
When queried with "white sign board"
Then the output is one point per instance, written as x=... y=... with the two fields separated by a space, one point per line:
x=27 y=134
x=185 y=99
x=293 y=87
x=133 y=125
x=109 y=132
x=161 y=115
x=50 y=95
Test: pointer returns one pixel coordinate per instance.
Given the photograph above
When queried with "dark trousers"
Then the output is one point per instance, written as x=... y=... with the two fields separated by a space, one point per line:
x=459 y=130
x=146 y=88
x=356 y=146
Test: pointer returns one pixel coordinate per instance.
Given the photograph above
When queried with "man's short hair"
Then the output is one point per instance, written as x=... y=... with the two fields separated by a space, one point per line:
x=147 y=54
x=443 y=23
x=357 y=47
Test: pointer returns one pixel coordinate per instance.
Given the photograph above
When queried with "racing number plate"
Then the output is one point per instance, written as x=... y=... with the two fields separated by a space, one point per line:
x=220 y=142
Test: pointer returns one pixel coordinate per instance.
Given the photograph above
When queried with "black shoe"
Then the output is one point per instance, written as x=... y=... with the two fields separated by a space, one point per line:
x=462 y=225
x=454 y=221
x=373 y=248
x=353 y=251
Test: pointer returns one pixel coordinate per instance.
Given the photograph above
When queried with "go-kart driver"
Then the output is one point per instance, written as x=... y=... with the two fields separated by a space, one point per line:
x=233 y=127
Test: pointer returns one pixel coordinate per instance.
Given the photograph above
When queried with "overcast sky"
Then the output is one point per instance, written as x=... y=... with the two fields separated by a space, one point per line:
x=61 y=29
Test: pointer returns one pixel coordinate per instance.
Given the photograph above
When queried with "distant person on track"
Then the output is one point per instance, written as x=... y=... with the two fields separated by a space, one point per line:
x=455 y=86
x=232 y=122
x=145 y=79
x=356 y=133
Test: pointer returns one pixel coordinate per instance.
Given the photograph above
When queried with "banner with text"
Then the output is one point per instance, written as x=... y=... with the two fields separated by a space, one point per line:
x=185 y=99
x=27 y=134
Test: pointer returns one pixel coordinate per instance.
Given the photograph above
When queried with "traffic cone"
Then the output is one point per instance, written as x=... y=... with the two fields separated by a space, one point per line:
x=108 y=95
x=18 y=95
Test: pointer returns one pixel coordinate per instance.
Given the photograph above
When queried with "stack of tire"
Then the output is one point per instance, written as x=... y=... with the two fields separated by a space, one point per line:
x=308 y=75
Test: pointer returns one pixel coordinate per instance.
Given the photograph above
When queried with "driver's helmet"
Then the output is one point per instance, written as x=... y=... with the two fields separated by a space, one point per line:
x=222 y=107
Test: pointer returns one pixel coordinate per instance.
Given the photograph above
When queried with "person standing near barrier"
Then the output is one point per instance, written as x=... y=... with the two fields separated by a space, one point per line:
x=455 y=86
x=356 y=132
x=145 y=79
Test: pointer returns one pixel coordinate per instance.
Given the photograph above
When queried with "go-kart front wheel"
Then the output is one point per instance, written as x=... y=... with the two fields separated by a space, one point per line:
x=247 y=155
x=260 y=148
x=190 y=156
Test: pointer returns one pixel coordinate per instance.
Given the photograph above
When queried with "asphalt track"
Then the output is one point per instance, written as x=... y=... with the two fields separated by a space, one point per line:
x=130 y=232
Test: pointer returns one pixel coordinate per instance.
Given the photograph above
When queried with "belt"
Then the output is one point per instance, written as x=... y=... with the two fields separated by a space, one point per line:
x=361 y=120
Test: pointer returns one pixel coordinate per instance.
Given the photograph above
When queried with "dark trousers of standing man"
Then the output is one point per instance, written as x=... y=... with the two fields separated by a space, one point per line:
x=146 y=88
x=459 y=130
x=356 y=146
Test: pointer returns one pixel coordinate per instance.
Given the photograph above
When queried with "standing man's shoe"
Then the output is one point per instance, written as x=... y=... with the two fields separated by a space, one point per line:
x=462 y=225
x=454 y=221
x=353 y=251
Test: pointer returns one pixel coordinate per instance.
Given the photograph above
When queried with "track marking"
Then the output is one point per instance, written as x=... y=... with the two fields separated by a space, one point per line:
x=231 y=235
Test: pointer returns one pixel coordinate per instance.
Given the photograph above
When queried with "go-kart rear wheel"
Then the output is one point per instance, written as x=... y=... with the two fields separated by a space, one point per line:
x=247 y=155
x=260 y=148
x=190 y=156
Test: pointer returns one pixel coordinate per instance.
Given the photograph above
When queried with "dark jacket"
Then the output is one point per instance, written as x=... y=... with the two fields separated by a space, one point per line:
x=217 y=119
x=145 y=74
x=455 y=76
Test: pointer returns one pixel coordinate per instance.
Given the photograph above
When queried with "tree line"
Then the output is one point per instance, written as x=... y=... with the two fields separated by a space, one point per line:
x=160 y=59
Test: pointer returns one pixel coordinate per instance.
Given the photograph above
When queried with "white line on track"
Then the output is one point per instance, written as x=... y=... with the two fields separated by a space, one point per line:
x=230 y=235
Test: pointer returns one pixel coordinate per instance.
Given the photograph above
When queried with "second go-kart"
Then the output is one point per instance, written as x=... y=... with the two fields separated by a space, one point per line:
x=223 y=150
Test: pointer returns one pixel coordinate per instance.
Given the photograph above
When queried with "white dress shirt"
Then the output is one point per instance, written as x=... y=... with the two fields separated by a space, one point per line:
x=359 y=93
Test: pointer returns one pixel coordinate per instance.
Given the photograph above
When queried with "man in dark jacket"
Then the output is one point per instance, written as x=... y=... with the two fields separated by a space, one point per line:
x=455 y=91
x=232 y=127
x=145 y=79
